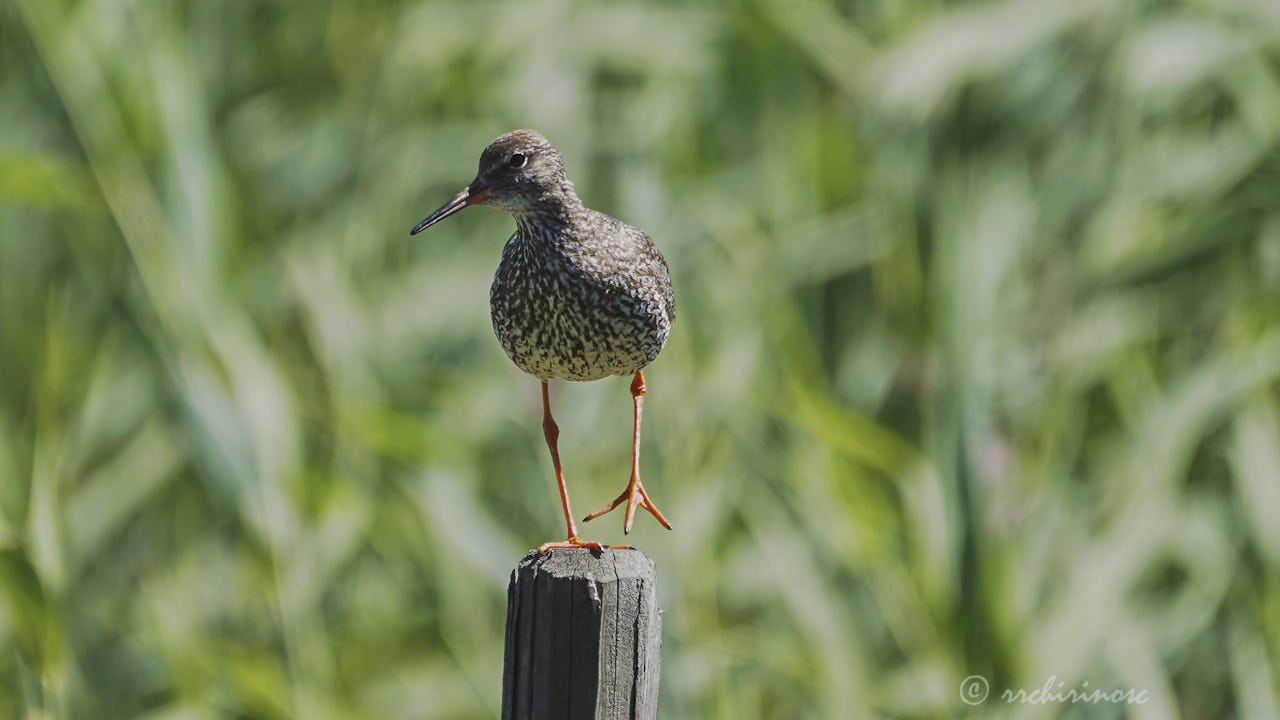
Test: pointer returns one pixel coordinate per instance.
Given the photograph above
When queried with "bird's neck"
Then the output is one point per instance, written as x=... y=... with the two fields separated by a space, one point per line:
x=549 y=216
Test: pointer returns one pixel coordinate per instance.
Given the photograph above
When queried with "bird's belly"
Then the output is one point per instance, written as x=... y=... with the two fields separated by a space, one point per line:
x=549 y=336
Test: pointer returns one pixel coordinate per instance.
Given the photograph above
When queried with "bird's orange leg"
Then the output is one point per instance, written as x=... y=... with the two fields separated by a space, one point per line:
x=635 y=493
x=552 y=433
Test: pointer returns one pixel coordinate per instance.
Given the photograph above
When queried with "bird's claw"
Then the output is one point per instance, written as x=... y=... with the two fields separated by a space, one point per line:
x=635 y=496
x=573 y=541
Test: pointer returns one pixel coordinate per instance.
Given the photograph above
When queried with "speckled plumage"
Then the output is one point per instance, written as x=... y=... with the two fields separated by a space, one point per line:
x=578 y=295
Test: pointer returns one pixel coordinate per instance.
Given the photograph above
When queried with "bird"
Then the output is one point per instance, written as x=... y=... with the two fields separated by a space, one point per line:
x=578 y=295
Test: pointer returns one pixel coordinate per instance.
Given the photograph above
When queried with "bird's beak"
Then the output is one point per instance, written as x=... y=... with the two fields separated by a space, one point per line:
x=474 y=193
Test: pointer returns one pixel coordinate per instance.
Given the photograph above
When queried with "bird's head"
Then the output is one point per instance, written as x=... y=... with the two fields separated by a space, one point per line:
x=518 y=172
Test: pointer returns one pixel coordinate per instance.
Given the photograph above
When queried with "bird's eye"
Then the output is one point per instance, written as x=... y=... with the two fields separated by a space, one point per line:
x=517 y=160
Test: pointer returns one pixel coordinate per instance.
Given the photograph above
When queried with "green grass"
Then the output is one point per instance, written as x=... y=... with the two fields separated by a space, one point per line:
x=975 y=369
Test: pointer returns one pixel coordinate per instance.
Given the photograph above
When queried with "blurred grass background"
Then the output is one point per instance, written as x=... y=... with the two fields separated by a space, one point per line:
x=975 y=369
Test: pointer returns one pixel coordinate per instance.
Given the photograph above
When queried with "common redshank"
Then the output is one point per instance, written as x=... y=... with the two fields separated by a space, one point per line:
x=578 y=295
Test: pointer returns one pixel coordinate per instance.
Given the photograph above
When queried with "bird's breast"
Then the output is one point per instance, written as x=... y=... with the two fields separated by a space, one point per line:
x=558 y=317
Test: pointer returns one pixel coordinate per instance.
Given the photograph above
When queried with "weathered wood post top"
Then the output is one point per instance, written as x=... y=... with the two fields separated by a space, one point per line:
x=584 y=637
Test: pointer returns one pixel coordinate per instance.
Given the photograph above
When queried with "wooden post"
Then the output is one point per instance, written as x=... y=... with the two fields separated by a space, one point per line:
x=584 y=637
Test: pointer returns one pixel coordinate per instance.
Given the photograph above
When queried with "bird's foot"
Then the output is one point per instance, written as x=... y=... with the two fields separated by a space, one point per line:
x=635 y=496
x=573 y=541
